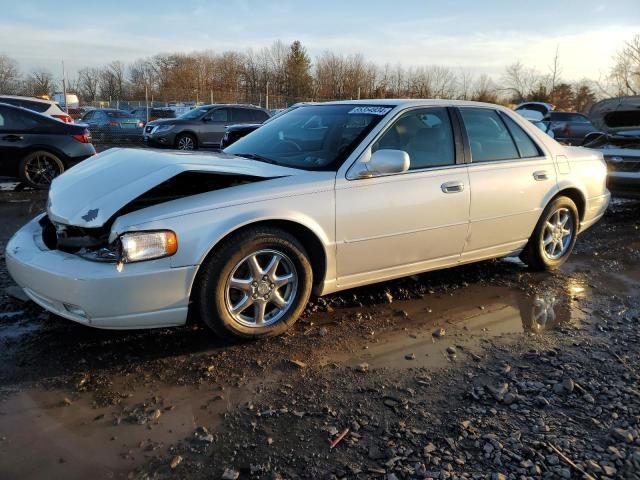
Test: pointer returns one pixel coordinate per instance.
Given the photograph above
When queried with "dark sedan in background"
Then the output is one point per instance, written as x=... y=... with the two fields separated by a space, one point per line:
x=154 y=113
x=113 y=125
x=570 y=127
x=201 y=127
x=37 y=148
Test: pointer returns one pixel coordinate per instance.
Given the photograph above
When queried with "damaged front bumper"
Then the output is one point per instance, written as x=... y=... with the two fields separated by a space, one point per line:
x=141 y=295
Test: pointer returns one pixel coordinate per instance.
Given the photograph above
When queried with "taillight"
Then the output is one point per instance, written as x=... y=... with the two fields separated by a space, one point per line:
x=64 y=118
x=84 y=137
x=140 y=124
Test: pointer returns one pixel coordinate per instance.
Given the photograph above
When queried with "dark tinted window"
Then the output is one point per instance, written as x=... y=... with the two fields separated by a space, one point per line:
x=35 y=106
x=568 y=117
x=241 y=115
x=10 y=101
x=118 y=114
x=259 y=115
x=488 y=136
x=425 y=134
x=10 y=120
x=89 y=115
x=220 y=115
x=525 y=145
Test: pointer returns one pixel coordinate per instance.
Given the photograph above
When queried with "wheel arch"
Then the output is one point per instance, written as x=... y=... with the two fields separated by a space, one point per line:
x=577 y=196
x=187 y=132
x=310 y=239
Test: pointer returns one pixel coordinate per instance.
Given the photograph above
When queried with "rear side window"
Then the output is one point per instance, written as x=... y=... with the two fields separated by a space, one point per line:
x=259 y=115
x=118 y=114
x=10 y=121
x=35 y=106
x=241 y=115
x=526 y=147
x=488 y=136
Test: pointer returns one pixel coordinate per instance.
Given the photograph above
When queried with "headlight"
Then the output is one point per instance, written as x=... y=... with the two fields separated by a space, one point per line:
x=163 y=128
x=139 y=246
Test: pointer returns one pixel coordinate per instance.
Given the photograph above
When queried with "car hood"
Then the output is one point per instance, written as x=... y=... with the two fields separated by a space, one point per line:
x=89 y=194
x=617 y=115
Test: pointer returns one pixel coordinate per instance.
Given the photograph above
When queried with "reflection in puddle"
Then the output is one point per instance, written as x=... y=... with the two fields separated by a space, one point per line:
x=481 y=314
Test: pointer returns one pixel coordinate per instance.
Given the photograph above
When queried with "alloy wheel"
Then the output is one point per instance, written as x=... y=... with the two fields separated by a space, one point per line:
x=558 y=233
x=41 y=169
x=185 y=143
x=261 y=288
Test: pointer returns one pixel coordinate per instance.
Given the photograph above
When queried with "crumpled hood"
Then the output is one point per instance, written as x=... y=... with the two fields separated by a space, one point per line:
x=89 y=194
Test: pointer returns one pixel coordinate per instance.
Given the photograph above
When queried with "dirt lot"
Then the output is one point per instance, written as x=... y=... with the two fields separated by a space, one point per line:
x=482 y=371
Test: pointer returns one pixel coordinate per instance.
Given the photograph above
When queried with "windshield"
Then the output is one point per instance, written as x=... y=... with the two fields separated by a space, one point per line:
x=311 y=137
x=195 y=113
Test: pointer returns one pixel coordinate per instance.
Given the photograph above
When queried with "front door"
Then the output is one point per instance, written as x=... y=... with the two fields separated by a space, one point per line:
x=395 y=225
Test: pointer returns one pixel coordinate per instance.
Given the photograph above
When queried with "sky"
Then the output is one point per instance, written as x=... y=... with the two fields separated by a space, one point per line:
x=481 y=36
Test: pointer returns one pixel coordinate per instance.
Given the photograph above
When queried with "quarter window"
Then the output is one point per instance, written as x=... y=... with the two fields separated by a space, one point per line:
x=425 y=134
x=241 y=115
x=488 y=136
x=526 y=147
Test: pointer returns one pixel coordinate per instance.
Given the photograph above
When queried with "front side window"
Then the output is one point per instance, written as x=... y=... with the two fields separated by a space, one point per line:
x=220 y=115
x=488 y=136
x=425 y=134
x=311 y=137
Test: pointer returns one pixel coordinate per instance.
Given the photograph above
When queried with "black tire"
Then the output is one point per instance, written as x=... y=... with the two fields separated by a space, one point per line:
x=536 y=253
x=212 y=292
x=184 y=140
x=38 y=169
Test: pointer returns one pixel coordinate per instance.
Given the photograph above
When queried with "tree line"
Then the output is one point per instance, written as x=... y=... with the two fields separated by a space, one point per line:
x=285 y=74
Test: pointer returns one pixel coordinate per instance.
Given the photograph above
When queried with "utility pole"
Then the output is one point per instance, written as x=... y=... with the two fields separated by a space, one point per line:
x=146 y=100
x=266 y=103
x=64 y=90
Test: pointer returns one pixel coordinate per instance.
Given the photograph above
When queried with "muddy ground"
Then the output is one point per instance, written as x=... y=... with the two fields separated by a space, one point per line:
x=481 y=371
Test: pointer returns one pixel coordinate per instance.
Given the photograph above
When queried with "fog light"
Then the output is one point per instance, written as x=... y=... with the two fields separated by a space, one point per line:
x=75 y=310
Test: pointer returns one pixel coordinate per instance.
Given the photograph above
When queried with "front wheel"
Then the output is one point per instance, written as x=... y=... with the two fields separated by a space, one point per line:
x=254 y=285
x=554 y=237
x=186 y=142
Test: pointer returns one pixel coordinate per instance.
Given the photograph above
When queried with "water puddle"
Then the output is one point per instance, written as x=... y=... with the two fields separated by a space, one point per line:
x=478 y=315
x=71 y=437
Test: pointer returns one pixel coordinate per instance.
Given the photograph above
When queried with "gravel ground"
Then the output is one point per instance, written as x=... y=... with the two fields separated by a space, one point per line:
x=481 y=371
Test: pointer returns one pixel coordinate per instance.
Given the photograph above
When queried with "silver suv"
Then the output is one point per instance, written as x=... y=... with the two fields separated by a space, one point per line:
x=201 y=127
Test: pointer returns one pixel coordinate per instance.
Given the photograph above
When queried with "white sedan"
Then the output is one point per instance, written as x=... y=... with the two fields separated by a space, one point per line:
x=323 y=198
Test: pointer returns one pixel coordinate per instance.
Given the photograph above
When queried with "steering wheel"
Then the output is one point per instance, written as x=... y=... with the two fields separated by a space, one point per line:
x=291 y=142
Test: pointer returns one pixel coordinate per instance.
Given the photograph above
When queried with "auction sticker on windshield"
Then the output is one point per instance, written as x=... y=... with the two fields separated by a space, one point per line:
x=370 y=110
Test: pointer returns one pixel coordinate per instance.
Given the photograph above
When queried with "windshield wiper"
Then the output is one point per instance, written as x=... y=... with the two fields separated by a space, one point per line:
x=253 y=156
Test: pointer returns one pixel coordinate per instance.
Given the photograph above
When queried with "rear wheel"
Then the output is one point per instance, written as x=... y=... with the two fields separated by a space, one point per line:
x=38 y=169
x=554 y=237
x=254 y=285
x=186 y=141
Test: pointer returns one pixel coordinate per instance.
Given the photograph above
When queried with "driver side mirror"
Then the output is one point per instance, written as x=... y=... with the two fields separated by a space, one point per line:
x=384 y=162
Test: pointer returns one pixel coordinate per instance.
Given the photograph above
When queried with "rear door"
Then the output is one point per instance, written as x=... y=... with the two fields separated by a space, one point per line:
x=511 y=181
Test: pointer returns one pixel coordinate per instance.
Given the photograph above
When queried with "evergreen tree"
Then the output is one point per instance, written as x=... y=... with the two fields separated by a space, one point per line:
x=298 y=72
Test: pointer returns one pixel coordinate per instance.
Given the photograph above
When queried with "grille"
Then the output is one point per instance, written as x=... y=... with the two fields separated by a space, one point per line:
x=627 y=164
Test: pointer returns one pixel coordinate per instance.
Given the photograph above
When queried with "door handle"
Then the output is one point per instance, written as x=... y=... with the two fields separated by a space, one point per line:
x=13 y=138
x=452 y=187
x=540 y=175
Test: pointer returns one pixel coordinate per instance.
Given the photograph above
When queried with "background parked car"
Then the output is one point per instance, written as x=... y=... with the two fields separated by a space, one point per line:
x=46 y=107
x=618 y=139
x=154 y=113
x=112 y=125
x=37 y=148
x=233 y=133
x=77 y=113
x=201 y=127
x=570 y=127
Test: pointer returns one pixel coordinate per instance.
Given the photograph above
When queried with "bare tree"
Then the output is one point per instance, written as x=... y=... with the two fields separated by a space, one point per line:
x=39 y=83
x=9 y=75
x=519 y=80
x=625 y=74
x=555 y=72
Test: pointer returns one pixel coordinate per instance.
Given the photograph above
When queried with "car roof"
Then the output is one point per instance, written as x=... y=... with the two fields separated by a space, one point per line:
x=242 y=105
x=31 y=99
x=408 y=102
